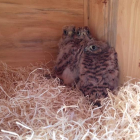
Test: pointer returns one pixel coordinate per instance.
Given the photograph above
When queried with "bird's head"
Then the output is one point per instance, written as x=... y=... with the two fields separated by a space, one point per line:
x=68 y=32
x=95 y=47
x=83 y=33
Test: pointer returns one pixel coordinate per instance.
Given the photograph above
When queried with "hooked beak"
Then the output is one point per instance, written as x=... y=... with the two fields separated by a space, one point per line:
x=84 y=33
x=70 y=33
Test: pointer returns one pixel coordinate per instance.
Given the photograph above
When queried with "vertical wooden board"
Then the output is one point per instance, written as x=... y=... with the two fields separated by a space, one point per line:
x=97 y=18
x=86 y=12
x=30 y=30
x=103 y=20
x=128 y=43
x=111 y=24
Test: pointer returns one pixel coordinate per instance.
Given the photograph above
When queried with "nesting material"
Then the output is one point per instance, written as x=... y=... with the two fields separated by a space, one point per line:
x=33 y=107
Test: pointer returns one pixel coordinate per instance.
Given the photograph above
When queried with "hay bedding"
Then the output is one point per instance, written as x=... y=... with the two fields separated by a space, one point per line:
x=33 y=107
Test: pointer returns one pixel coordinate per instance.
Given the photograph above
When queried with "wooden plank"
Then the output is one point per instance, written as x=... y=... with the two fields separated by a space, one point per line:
x=86 y=12
x=111 y=23
x=22 y=57
x=103 y=20
x=45 y=4
x=128 y=43
x=97 y=18
x=28 y=28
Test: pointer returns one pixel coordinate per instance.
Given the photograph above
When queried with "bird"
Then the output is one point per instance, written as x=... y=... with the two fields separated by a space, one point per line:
x=98 y=70
x=67 y=36
x=84 y=34
x=65 y=43
x=66 y=62
x=64 y=46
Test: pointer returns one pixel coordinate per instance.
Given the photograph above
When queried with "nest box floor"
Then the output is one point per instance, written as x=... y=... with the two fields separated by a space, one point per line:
x=34 y=107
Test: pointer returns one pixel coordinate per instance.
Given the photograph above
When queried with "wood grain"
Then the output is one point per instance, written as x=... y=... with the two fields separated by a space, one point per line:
x=97 y=18
x=86 y=12
x=30 y=29
x=127 y=41
x=103 y=20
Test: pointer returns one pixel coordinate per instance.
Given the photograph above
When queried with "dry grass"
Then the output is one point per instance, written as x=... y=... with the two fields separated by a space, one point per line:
x=33 y=107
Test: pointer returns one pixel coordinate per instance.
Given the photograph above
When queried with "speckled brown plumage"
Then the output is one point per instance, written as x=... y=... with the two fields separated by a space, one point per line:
x=84 y=34
x=98 y=69
x=66 y=63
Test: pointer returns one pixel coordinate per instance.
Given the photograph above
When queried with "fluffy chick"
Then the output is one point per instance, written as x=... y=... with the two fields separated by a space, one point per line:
x=98 y=70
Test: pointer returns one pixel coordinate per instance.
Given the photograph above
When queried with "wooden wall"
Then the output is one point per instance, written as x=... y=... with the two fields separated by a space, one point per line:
x=128 y=38
x=30 y=29
x=118 y=23
x=102 y=19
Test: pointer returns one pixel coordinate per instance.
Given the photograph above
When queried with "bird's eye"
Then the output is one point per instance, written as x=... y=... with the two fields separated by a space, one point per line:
x=78 y=33
x=65 y=32
x=93 y=48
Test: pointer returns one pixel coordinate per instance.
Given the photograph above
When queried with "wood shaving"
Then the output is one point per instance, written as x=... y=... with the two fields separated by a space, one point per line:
x=37 y=108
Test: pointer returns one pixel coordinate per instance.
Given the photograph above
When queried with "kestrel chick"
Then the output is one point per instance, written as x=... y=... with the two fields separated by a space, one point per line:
x=98 y=70
x=66 y=63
